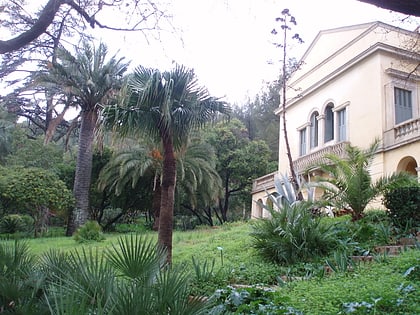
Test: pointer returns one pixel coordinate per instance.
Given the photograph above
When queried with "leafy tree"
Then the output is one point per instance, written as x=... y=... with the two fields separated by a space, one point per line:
x=166 y=106
x=259 y=118
x=93 y=82
x=7 y=124
x=239 y=161
x=31 y=152
x=35 y=191
x=347 y=183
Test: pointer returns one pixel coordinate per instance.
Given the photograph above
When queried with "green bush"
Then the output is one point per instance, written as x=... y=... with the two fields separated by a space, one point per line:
x=15 y=223
x=130 y=228
x=90 y=231
x=292 y=234
x=403 y=204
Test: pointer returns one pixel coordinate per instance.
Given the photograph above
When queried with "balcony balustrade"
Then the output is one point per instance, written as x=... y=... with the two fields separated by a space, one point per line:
x=312 y=159
x=301 y=164
x=410 y=128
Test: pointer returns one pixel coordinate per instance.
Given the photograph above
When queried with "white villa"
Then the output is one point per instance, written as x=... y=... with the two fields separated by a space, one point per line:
x=356 y=83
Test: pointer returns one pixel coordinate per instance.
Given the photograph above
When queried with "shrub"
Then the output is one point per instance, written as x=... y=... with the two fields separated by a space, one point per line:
x=403 y=204
x=90 y=231
x=14 y=223
x=292 y=234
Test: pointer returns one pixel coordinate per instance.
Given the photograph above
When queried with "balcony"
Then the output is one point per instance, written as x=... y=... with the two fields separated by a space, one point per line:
x=263 y=183
x=406 y=132
x=304 y=162
x=301 y=164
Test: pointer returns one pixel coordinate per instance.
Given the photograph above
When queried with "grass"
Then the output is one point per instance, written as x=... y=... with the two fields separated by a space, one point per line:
x=202 y=243
x=382 y=283
x=372 y=288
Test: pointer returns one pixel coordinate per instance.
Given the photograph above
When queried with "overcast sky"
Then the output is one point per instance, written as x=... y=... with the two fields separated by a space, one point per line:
x=229 y=44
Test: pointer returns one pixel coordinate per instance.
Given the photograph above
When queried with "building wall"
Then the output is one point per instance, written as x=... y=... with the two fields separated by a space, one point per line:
x=356 y=69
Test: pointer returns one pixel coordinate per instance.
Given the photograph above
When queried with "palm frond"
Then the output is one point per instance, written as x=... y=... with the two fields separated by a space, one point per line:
x=136 y=257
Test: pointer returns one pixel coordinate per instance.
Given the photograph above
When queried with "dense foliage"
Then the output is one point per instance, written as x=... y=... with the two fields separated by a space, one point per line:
x=403 y=204
x=291 y=235
x=34 y=191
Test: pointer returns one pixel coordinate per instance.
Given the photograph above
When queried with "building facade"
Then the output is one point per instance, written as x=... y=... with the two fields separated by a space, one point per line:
x=355 y=84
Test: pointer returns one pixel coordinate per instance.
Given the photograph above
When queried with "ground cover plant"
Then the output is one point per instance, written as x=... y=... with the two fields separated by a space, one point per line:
x=224 y=268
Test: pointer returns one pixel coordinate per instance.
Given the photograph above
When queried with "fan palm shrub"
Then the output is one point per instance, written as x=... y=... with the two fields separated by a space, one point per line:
x=21 y=282
x=291 y=233
x=129 y=278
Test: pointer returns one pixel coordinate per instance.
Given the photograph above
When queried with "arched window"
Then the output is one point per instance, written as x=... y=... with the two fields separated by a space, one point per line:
x=329 y=123
x=314 y=130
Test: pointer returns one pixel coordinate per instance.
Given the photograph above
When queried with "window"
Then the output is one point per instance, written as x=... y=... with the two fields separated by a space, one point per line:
x=314 y=130
x=302 y=142
x=329 y=123
x=342 y=125
x=403 y=105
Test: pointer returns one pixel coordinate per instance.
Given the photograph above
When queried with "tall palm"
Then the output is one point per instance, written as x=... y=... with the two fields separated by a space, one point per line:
x=92 y=81
x=165 y=106
x=348 y=182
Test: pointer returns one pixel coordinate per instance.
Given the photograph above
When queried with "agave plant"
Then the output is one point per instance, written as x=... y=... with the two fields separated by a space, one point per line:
x=287 y=194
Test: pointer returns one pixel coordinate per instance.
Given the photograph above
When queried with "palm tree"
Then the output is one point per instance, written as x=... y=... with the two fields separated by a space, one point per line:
x=197 y=177
x=165 y=106
x=92 y=82
x=348 y=182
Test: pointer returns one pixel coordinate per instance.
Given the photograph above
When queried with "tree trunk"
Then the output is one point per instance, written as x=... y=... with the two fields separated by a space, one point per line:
x=224 y=206
x=52 y=124
x=81 y=188
x=156 y=202
x=167 y=197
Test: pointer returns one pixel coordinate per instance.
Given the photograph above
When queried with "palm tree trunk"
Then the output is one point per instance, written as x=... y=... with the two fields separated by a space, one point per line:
x=167 y=197
x=156 y=201
x=81 y=188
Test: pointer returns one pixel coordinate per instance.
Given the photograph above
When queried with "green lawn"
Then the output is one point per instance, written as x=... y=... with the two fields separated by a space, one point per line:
x=380 y=287
x=204 y=243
